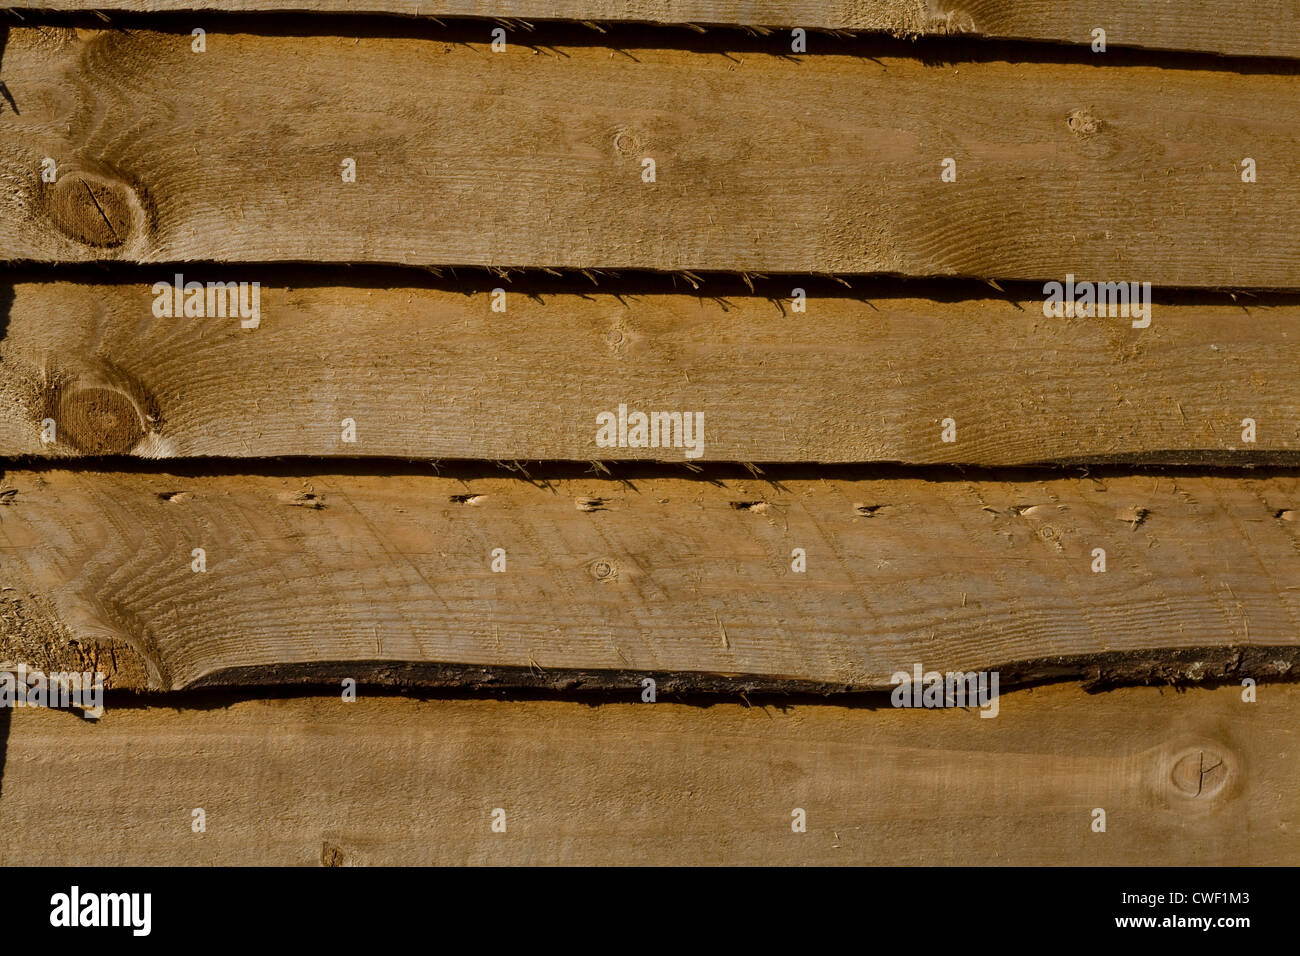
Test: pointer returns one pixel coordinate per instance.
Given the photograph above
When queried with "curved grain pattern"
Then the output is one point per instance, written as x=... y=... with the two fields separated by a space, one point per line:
x=345 y=575
x=766 y=163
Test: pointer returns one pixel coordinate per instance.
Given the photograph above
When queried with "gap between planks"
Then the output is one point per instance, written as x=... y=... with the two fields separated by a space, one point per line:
x=1216 y=26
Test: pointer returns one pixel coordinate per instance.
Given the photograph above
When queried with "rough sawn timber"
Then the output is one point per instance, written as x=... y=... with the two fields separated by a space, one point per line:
x=390 y=578
x=1195 y=778
x=764 y=163
x=427 y=373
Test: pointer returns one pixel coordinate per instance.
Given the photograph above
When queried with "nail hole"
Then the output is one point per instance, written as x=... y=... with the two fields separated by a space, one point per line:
x=1134 y=516
x=302 y=499
x=1083 y=123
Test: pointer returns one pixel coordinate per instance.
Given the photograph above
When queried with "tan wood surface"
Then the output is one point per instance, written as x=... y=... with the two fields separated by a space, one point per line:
x=605 y=581
x=425 y=373
x=764 y=163
x=1198 y=777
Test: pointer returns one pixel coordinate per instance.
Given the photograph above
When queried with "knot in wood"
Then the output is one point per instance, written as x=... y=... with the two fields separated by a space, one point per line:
x=90 y=210
x=98 y=421
x=1083 y=122
x=1200 y=772
x=626 y=143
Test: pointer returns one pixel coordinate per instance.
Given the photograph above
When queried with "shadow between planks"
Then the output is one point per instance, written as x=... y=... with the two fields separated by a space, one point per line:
x=1195 y=778
x=1218 y=26
x=765 y=162
x=168 y=581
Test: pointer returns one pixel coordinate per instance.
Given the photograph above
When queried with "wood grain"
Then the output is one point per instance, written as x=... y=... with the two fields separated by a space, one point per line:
x=392 y=781
x=1217 y=26
x=390 y=579
x=765 y=163
x=426 y=373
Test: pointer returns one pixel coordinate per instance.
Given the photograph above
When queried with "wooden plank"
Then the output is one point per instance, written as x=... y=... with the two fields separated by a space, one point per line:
x=1216 y=26
x=392 y=781
x=427 y=373
x=764 y=163
x=390 y=579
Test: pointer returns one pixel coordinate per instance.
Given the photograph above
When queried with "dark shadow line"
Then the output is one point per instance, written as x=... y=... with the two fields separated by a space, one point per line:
x=1180 y=669
x=624 y=36
x=538 y=282
x=6 y=716
x=4 y=90
x=1235 y=465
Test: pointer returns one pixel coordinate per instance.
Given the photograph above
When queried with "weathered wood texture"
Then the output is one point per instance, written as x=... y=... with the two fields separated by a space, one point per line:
x=392 y=781
x=689 y=580
x=1218 y=26
x=765 y=163
x=436 y=374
